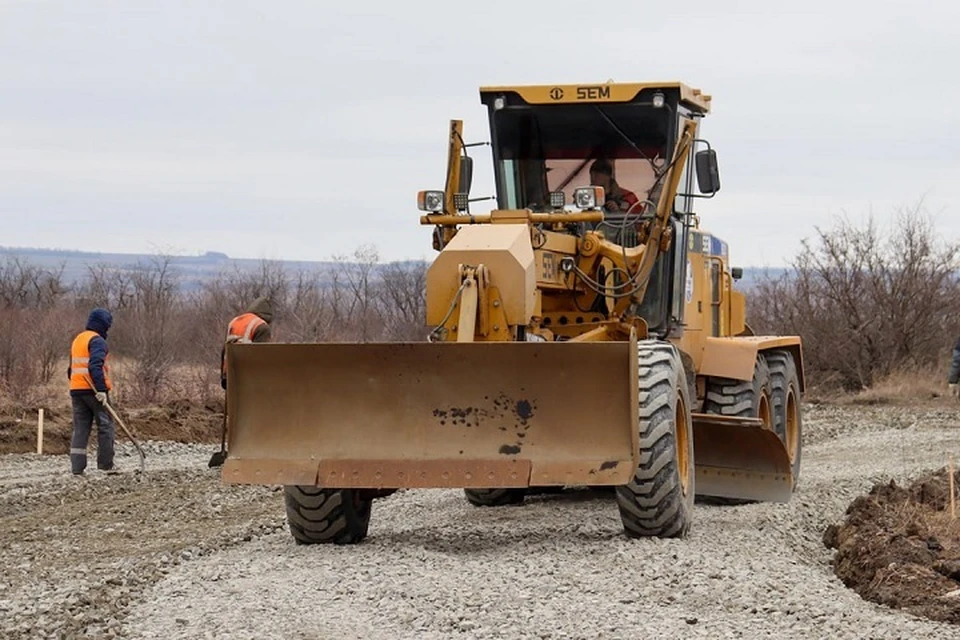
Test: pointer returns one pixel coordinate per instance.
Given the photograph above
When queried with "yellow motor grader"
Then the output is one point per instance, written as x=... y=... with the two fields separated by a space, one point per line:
x=585 y=332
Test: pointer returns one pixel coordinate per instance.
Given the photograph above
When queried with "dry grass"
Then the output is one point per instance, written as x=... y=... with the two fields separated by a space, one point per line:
x=187 y=409
x=195 y=384
x=925 y=385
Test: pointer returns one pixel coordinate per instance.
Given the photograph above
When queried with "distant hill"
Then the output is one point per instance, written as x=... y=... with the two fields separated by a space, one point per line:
x=753 y=275
x=194 y=270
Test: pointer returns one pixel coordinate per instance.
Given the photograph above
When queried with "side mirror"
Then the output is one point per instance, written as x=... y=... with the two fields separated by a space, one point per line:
x=736 y=273
x=466 y=175
x=708 y=173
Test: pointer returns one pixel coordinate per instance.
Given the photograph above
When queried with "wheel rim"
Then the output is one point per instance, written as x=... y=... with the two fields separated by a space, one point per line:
x=792 y=426
x=763 y=412
x=683 y=444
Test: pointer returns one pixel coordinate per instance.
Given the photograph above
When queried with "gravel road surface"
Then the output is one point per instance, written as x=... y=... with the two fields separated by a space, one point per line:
x=175 y=554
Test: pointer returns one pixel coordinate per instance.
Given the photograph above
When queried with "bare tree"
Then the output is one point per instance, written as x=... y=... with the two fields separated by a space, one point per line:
x=308 y=312
x=48 y=339
x=30 y=340
x=106 y=286
x=867 y=303
x=402 y=300
x=148 y=325
x=27 y=286
x=358 y=278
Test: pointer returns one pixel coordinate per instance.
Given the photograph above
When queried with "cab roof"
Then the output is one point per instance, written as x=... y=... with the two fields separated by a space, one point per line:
x=609 y=91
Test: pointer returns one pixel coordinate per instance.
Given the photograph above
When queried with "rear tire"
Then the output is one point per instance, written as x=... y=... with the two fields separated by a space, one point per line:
x=494 y=497
x=740 y=398
x=326 y=516
x=659 y=500
x=785 y=398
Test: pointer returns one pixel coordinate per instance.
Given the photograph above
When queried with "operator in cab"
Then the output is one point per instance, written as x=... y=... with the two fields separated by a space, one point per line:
x=618 y=199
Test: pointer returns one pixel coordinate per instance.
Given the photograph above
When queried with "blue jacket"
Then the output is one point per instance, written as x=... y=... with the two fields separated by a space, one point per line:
x=100 y=321
x=955 y=364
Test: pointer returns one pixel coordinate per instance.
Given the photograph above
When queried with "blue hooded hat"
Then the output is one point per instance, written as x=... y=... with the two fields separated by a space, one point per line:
x=99 y=320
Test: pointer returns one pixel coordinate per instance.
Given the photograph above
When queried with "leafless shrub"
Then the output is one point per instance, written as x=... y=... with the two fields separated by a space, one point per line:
x=48 y=340
x=149 y=325
x=402 y=300
x=866 y=303
x=308 y=311
x=165 y=341
x=31 y=313
x=358 y=278
x=27 y=286
x=105 y=286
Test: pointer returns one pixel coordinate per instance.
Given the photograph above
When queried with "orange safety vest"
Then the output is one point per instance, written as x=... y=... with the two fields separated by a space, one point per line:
x=80 y=361
x=241 y=329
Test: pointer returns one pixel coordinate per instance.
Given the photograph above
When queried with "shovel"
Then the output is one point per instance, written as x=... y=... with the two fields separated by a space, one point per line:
x=116 y=417
x=218 y=458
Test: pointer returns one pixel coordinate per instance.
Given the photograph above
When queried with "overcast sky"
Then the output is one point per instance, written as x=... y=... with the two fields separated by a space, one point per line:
x=300 y=130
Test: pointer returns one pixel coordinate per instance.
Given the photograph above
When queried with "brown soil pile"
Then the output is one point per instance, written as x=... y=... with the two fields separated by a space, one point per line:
x=900 y=547
x=178 y=421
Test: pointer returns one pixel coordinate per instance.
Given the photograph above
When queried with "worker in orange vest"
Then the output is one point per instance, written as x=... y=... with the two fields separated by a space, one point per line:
x=88 y=363
x=253 y=325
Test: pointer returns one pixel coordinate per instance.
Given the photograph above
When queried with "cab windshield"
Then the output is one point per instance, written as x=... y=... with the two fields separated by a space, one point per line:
x=552 y=148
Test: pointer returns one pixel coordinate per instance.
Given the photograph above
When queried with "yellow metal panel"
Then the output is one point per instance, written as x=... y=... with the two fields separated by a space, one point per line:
x=564 y=243
x=728 y=358
x=506 y=252
x=441 y=415
x=696 y=295
x=602 y=92
x=735 y=357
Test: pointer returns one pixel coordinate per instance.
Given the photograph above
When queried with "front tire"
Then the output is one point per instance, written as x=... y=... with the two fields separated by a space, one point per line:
x=326 y=516
x=658 y=501
x=494 y=497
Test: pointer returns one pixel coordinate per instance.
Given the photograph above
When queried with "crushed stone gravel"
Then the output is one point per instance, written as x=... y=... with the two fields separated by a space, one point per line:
x=177 y=554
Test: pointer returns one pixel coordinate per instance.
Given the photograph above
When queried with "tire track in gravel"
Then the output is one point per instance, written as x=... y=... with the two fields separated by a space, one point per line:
x=559 y=567
x=80 y=549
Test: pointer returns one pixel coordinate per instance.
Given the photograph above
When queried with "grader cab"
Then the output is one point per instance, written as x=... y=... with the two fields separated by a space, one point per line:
x=584 y=332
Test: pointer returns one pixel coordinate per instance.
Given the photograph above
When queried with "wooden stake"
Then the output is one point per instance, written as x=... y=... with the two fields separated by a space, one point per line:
x=953 y=504
x=40 y=431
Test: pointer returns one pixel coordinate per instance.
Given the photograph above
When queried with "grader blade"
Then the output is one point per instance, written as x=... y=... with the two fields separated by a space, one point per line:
x=473 y=415
x=739 y=458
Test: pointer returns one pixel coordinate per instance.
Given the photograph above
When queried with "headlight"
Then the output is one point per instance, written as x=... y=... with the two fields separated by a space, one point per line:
x=588 y=197
x=557 y=199
x=431 y=201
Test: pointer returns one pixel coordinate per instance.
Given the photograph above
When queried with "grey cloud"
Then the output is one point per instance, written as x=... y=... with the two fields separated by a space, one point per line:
x=300 y=129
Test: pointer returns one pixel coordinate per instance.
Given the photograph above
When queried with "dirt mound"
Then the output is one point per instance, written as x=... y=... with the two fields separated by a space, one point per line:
x=899 y=546
x=178 y=421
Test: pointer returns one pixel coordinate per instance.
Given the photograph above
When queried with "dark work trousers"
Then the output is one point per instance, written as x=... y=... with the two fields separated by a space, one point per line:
x=86 y=410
